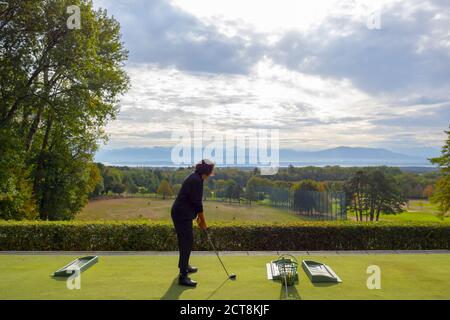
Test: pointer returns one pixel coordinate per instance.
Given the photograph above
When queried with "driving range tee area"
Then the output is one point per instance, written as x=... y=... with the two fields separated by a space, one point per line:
x=367 y=276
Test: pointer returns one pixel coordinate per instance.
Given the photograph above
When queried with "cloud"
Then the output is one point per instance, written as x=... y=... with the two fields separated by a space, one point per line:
x=160 y=33
x=328 y=82
x=310 y=112
x=409 y=52
x=438 y=115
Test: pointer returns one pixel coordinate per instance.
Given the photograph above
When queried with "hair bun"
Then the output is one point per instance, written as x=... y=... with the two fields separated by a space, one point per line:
x=205 y=166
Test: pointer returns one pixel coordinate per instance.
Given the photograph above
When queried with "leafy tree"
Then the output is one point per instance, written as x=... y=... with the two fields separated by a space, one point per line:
x=132 y=188
x=250 y=192
x=372 y=193
x=177 y=187
x=165 y=189
x=261 y=184
x=153 y=184
x=428 y=191
x=307 y=185
x=59 y=88
x=383 y=195
x=100 y=186
x=111 y=177
x=441 y=194
x=304 y=194
x=412 y=185
x=229 y=190
x=96 y=177
x=63 y=182
x=237 y=191
x=118 y=188
x=334 y=186
x=16 y=198
x=356 y=189
x=98 y=190
x=328 y=173
x=221 y=185
x=128 y=181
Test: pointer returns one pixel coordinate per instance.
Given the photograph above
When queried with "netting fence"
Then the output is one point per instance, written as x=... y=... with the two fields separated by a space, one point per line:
x=314 y=205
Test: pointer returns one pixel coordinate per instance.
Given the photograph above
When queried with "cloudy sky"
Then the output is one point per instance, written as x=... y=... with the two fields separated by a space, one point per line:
x=326 y=73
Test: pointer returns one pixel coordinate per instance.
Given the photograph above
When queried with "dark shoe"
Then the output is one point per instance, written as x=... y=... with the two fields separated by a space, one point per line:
x=192 y=269
x=186 y=281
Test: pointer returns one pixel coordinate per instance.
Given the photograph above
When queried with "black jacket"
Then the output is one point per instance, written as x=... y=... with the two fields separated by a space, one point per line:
x=188 y=203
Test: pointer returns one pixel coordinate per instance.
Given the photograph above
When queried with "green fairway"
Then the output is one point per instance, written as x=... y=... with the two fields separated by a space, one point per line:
x=414 y=217
x=158 y=209
x=418 y=276
x=418 y=210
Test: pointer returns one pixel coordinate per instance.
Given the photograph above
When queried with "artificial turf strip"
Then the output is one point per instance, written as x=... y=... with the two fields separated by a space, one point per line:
x=421 y=276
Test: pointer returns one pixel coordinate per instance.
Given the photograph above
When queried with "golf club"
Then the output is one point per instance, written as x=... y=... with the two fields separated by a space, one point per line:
x=231 y=276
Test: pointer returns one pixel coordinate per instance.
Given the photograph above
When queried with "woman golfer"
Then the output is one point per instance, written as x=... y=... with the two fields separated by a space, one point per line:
x=187 y=207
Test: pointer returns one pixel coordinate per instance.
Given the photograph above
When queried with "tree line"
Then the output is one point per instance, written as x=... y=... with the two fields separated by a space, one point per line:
x=231 y=182
x=368 y=191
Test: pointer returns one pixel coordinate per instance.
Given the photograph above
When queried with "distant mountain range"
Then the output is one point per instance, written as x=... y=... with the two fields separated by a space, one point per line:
x=351 y=156
x=344 y=156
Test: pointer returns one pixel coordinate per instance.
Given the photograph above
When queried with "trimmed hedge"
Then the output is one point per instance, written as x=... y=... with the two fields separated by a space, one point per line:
x=160 y=236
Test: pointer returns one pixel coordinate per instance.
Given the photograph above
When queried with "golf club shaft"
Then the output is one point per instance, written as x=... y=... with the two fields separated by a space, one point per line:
x=286 y=287
x=217 y=253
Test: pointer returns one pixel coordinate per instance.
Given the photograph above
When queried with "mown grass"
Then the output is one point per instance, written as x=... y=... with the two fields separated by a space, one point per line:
x=418 y=276
x=419 y=211
x=158 y=209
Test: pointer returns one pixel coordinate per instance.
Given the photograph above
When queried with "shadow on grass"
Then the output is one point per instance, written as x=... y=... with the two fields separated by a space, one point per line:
x=325 y=284
x=290 y=294
x=218 y=288
x=175 y=290
x=59 y=278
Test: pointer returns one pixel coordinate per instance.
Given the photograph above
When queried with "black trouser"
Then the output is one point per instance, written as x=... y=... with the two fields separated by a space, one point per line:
x=185 y=242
